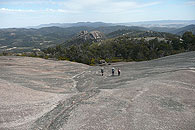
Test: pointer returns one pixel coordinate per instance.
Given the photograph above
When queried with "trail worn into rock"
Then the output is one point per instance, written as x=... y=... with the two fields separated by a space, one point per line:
x=44 y=94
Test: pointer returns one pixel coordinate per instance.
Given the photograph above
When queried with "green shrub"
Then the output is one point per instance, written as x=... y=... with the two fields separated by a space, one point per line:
x=116 y=59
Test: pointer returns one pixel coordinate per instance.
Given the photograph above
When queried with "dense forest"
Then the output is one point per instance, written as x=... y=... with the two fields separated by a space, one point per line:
x=123 y=48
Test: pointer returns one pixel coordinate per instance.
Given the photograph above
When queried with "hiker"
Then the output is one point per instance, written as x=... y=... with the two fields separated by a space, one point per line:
x=119 y=72
x=113 y=71
x=102 y=71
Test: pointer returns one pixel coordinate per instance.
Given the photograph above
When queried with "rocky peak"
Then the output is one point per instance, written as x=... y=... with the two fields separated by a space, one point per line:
x=94 y=35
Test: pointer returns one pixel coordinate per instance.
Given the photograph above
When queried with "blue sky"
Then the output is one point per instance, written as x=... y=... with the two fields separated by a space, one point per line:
x=21 y=13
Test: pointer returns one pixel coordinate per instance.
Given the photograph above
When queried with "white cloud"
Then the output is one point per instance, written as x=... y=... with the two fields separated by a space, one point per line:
x=190 y=3
x=58 y=11
x=126 y=7
x=105 y=5
x=80 y=6
x=22 y=2
x=6 y=10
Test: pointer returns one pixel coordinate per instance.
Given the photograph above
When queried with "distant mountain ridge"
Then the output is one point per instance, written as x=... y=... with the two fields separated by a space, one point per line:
x=161 y=23
x=148 y=24
x=78 y=24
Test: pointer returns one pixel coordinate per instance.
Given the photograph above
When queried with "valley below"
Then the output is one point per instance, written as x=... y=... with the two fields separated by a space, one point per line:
x=39 y=94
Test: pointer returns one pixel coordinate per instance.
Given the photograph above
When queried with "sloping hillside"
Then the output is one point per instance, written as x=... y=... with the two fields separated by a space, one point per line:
x=36 y=38
x=139 y=33
x=45 y=94
x=181 y=31
x=21 y=39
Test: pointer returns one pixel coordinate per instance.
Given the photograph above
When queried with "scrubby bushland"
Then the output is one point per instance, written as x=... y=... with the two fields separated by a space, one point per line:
x=123 y=48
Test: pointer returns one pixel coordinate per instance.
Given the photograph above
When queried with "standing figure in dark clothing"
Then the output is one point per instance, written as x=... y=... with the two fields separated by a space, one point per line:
x=102 y=71
x=113 y=71
x=119 y=72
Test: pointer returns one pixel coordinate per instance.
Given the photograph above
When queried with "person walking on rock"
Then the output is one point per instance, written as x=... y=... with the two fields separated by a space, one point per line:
x=113 y=71
x=119 y=72
x=102 y=71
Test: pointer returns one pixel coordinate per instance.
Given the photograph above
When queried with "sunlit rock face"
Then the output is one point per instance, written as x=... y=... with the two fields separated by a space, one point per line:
x=94 y=35
x=44 y=94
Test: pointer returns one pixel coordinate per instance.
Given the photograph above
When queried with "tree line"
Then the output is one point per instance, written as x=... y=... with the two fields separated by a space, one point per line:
x=122 y=48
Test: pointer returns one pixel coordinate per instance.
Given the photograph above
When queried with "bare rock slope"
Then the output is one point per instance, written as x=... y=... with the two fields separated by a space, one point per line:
x=44 y=94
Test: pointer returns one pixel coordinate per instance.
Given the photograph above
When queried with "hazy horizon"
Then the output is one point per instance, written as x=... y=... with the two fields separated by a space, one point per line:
x=24 y=13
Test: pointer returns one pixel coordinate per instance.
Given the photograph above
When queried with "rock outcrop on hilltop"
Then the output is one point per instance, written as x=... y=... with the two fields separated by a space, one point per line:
x=86 y=37
x=61 y=95
x=93 y=35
